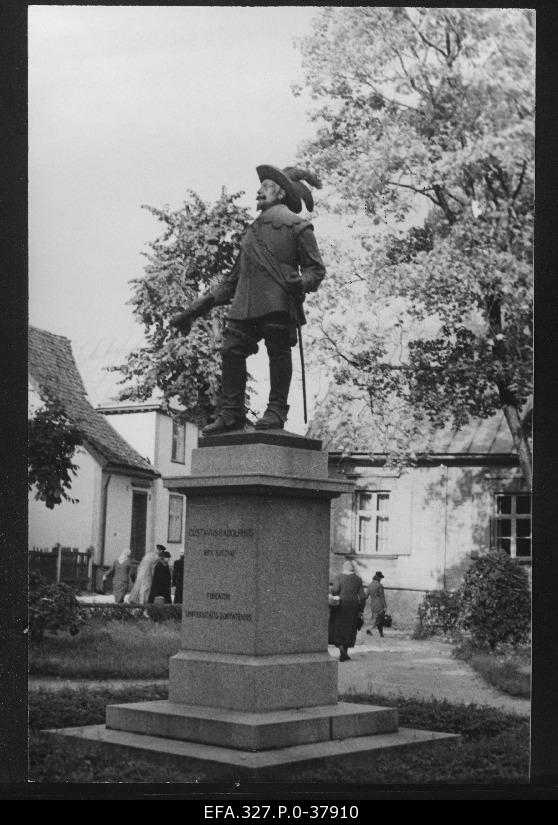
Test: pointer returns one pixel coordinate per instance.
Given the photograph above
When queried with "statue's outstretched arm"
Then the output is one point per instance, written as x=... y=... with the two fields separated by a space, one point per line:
x=222 y=294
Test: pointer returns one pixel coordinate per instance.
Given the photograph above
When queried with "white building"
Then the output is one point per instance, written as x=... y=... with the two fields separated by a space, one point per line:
x=115 y=486
x=168 y=444
x=423 y=526
x=161 y=436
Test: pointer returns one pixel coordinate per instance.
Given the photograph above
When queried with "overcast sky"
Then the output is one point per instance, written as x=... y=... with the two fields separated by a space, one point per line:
x=136 y=105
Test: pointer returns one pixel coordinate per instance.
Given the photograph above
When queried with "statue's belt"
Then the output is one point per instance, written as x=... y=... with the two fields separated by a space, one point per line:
x=256 y=248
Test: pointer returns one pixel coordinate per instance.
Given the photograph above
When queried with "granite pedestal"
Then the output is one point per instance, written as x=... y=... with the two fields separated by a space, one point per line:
x=253 y=690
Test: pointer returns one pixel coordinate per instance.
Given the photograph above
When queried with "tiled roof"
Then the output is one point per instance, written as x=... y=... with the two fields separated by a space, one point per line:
x=52 y=366
x=488 y=437
x=94 y=357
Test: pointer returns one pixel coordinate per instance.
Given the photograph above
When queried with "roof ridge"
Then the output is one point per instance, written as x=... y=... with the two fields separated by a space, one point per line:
x=47 y=332
x=52 y=366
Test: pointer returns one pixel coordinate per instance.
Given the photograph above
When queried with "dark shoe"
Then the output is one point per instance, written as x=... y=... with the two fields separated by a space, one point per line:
x=220 y=426
x=270 y=420
x=345 y=658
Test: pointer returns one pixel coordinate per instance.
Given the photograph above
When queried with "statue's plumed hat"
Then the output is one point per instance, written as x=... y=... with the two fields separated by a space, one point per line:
x=290 y=179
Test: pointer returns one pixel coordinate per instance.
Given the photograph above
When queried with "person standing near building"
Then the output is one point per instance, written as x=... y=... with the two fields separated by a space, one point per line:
x=121 y=574
x=178 y=578
x=378 y=604
x=161 y=581
x=142 y=586
x=344 y=618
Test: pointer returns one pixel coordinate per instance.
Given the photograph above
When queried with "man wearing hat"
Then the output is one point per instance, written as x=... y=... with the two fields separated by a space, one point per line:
x=378 y=604
x=279 y=262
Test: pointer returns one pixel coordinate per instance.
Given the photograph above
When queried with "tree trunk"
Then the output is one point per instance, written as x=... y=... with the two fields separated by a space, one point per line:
x=520 y=441
x=509 y=403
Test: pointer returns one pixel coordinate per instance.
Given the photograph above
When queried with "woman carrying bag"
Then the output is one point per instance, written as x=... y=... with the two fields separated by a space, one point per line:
x=378 y=604
x=344 y=619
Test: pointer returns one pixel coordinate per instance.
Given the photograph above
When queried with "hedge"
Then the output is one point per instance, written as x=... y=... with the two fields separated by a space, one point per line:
x=133 y=612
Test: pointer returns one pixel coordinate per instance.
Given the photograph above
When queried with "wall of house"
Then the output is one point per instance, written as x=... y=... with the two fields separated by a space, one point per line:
x=439 y=518
x=169 y=468
x=150 y=433
x=71 y=525
x=138 y=429
x=118 y=529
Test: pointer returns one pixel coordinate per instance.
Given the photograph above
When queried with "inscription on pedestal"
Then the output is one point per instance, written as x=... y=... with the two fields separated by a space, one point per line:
x=218 y=532
x=256 y=571
x=219 y=597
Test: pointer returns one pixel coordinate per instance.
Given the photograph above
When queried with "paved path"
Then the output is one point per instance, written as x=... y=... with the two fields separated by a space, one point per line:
x=392 y=666
x=399 y=666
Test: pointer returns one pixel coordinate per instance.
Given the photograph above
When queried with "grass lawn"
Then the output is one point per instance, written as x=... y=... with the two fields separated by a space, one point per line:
x=141 y=650
x=494 y=747
x=508 y=670
x=108 y=650
x=511 y=675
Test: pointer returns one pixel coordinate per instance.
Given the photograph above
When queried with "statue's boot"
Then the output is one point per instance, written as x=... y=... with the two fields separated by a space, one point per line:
x=280 y=374
x=233 y=411
x=220 y=425
x=271 y=420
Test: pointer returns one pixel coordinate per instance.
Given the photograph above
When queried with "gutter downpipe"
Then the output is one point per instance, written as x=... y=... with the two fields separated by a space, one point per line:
x=104 y=517
x=156 y=489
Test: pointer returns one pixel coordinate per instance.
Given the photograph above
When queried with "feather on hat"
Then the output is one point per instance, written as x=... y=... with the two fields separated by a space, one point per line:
x=290 y=179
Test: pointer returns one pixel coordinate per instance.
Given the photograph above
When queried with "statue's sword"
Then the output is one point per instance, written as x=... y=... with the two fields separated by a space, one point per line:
x=299 y=332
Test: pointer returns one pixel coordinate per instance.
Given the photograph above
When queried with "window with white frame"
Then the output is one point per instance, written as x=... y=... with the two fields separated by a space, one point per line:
x=372 y=522
x=176 y=506
x=178 y=452
x=512 y=522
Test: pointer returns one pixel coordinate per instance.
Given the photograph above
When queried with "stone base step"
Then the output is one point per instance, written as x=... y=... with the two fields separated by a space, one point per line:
x=283 y=764
x=245 y=731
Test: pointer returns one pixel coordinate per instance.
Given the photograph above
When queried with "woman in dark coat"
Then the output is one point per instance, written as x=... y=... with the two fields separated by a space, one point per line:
x=178 y=578
x=161 y=581
x=344 y=618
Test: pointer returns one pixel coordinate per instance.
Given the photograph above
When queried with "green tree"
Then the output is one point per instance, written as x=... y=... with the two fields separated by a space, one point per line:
x=199 y=244
x=425 y=133
x=52 y=442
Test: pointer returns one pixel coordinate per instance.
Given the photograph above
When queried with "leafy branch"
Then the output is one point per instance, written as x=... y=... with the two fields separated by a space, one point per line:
x=53 y=440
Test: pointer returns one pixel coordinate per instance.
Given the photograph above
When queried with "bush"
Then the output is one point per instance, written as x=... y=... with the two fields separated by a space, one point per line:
x=134 y=612
x=52 y=607
x=495 y=602
x=438 y=613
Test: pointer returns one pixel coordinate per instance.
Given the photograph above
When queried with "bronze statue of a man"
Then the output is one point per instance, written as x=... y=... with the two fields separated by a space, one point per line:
x=279 y=262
